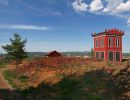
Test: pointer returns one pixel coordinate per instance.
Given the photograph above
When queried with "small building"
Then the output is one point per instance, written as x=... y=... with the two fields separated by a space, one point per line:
x=53 y=54
x=108 y=44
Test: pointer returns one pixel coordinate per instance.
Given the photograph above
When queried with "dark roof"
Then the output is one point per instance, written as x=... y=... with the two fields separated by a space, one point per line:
x=54 y=53
x=112 y=31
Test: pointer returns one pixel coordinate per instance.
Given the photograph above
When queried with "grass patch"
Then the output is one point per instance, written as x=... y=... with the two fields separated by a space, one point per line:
x=67 y=85
x=23 y=78
x=71 y=88
x=17 y=81
x=90 y=86
x=3 y=63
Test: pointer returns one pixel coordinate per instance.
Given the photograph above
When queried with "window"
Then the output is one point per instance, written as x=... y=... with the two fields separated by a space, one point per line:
x=97 y=54
x=110 y=42
x=102 y=42
x=117 y=56
x=96 y=42
x=111 y=56
x=117 y=42
x=102 y=55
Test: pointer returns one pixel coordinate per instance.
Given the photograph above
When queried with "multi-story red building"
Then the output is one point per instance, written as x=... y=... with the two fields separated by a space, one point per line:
x=108 y=44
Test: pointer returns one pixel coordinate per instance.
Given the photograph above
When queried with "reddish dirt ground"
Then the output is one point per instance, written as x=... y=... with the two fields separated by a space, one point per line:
x=3 y=82
x=52 y=70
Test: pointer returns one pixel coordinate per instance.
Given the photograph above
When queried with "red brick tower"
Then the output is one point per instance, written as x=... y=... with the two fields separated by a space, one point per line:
x=108 y=44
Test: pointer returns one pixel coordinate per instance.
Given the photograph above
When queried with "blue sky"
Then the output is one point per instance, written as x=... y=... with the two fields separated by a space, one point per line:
x=63 y=25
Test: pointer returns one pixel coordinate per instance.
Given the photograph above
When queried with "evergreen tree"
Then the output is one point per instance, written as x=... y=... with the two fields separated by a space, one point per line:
x=16 y=50
x=92 y=53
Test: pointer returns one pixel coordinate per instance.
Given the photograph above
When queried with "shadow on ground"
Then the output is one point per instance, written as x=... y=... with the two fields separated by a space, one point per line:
x=94 y=85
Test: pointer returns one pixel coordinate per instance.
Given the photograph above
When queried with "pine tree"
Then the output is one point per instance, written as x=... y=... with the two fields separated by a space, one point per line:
x=92 y=53
x=16 y=50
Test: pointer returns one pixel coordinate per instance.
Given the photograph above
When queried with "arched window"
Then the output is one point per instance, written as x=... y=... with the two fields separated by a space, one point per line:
x=96 y=40
x=102 y=42
x=117 y=42
x=110 y=42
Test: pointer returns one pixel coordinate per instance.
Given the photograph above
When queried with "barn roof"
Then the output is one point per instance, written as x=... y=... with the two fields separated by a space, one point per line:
x=52 y=53
x=112 y=31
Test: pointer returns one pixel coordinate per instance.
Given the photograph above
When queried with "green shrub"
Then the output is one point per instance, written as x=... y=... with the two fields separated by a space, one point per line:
x=93 y=97
x=23 y=78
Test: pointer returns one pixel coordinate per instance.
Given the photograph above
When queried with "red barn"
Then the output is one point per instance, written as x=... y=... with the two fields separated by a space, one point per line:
x=54 y=54
x=108 y=44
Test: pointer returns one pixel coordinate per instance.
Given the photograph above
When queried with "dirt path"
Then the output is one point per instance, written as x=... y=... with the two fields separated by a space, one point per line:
x=3 y=82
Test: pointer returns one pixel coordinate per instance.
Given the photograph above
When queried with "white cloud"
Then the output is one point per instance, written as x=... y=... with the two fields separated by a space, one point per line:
x=23 y=27
x=123 y=7
x=119 y=8
x=111 y=5
x=79 y=6
x=96 y=5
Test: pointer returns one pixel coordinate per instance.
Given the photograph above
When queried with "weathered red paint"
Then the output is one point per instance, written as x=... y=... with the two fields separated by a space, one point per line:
x=108 y=33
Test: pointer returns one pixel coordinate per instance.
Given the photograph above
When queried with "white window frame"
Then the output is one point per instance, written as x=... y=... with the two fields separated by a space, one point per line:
x=96 y=43
x=120 y=54
x=101 y=55
x=102 y=42
x=113 y=55
x=111 y=42
x=117 y=42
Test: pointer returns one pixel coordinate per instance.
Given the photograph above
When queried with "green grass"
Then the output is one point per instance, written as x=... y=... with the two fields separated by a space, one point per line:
x=90 y=86
x=3 y=63
x=23 y=78
x=11 y=76
x=71 y=88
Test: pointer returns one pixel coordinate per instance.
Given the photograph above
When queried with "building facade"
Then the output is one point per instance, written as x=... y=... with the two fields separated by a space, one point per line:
x=108 y=44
